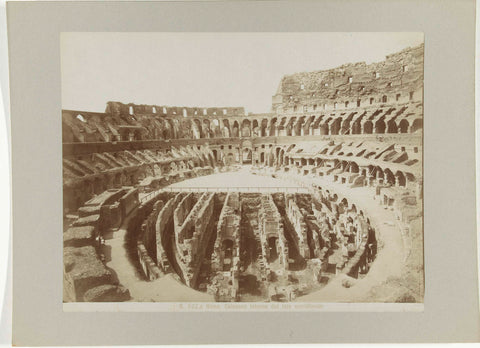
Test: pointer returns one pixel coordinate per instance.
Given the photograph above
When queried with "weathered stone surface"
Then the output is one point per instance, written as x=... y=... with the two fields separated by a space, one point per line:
x=83 y=271
x=91 y=220
x=79 y=236
x=107 y=293
x=88 y=210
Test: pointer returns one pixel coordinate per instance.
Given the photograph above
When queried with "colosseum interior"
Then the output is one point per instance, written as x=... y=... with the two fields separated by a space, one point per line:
x=319 y=200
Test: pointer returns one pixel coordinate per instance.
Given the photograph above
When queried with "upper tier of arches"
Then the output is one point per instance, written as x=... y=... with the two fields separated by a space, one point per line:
x=96 y=127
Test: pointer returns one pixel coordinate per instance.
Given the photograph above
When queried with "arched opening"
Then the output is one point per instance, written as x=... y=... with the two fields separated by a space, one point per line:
x=215 y=128
x=297 y=129
x=356 y=127
x=289 y=126
x=273 y=127
x=247 y=156
x=392 y=127
x=417 y=125
x=255 y=128
x=235 y=130
x=206 y=128
x=354 y=167
x=324 y=129
x=345 y=127
x=368 y=127
x=262 y=157
x=246 y=128
x=226 y=129
x=130 y=110
x=335 y=126
x=380 y=127
x=389 y=177
x=214 y=152
x=229 y=159
x=401 y=180
x=403 y=126
x=197 y=129
x=263 y=127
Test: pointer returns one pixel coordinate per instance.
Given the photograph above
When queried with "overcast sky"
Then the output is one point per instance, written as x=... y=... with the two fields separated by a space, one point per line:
x=205 y=69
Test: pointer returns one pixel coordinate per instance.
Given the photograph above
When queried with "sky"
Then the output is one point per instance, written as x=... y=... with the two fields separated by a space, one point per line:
x=205 y=69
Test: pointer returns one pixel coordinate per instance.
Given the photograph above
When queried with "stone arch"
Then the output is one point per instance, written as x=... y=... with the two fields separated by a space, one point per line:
x=299 y=126
x=273 y=127
x=226 y=133
x=289 y=126
x=255 y=128
x=401 y=179
x=335 y=126
x=215 y=128
x=307 y=125
x=416 y=125
x=229 y=159
x=380 y=127
x=197 y=129
x=324 y=128
x=206 y=128
x=403 y=126
x=368 y=127
x=235 y=130
x=354 y=167
x=392 y=127
x=264 y=127
x=389 y=177
x=345 y=129
x=247 y=156
x=356 y=127
x=246 y=130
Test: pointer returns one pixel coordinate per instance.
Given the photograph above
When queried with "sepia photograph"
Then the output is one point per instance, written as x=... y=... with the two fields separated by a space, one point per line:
x=256 y=168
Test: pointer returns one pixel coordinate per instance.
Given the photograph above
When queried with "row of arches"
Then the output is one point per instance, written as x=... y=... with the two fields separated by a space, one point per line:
x=371 y=172
x=145 y=128
x=300 y=126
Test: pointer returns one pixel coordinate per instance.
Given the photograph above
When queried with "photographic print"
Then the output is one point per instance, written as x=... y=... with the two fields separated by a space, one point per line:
x=221 y=169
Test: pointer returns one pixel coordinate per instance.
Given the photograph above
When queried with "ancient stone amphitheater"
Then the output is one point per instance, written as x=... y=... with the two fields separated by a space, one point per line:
x=319 y=200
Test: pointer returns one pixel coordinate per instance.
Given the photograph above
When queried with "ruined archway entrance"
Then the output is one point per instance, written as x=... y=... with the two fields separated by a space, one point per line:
x=247 y=156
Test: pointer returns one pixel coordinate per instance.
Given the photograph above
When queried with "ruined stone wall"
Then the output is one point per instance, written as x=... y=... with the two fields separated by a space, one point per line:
x=164 y=216
x=296 y=218
x=192 y=235
x=148 y=232
x=399 y=78
x=311 y=103
x=85 y=276
x=271 y=226
x=182 y=211
x=228 y=228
